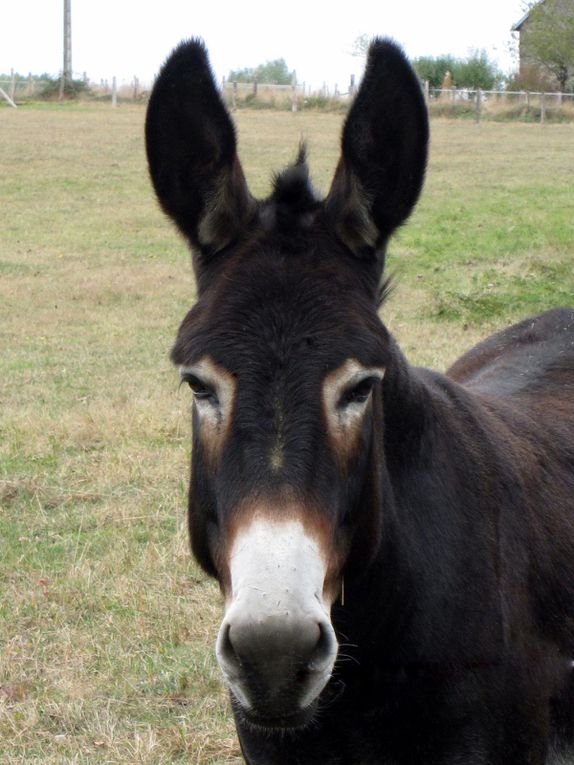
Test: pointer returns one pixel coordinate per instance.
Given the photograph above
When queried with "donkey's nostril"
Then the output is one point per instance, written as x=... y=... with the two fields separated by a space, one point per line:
x=323 y=652
x=275 y=647
x=273 y=663
x=226 y=653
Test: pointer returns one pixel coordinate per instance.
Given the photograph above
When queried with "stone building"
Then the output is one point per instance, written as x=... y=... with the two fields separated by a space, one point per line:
x=558 y=17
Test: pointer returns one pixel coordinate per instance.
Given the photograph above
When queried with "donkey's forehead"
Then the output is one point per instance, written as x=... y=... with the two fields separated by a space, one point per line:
x=274 y=310
x=282 y=294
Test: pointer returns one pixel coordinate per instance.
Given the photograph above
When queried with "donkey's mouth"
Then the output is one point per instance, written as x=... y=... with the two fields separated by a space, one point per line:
x=289 y=721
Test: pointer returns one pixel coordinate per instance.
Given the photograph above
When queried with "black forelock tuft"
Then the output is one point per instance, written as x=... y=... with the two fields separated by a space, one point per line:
x=293 y=194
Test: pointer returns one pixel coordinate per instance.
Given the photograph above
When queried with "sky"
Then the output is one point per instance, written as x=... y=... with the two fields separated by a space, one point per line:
x=127 y=38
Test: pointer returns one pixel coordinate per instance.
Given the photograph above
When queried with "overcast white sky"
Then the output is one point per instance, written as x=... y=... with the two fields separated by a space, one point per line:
x=132 y=37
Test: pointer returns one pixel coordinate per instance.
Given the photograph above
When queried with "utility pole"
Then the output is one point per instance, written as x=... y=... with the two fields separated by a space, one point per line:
x=67 y=68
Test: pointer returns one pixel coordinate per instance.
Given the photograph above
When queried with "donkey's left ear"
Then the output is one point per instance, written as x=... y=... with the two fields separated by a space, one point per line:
x=384 y=152
x=192 y=152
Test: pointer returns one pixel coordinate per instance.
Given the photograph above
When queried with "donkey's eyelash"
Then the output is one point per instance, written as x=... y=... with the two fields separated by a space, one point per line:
x=201 y=390
x=358 y=393
x=193 y=381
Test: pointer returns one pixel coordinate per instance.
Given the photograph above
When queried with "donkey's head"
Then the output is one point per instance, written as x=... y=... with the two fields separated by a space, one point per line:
x=286 y=356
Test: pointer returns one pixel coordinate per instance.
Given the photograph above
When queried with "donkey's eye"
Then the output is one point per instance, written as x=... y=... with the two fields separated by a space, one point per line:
x=358 y=393
x=201 y=390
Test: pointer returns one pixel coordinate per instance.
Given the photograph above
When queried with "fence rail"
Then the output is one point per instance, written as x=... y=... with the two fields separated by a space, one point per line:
x=17 y=88
x=499 y=103
x=456 y=95
x=451 y=102
x=297 y=95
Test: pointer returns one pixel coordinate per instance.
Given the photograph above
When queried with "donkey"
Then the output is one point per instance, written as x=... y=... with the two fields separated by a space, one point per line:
x=395 y=546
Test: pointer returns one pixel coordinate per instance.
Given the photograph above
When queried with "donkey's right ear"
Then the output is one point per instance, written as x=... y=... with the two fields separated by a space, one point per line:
x=192 y=152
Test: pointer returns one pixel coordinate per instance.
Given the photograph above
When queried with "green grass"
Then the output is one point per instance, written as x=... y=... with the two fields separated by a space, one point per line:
x=491 y=293
x=106 y=625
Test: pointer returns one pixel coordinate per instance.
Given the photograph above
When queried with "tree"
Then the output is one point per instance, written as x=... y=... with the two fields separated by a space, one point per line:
x=275 y=72
x=433 y=69
x=547 y=38
x=361 y=46
x=475 y=71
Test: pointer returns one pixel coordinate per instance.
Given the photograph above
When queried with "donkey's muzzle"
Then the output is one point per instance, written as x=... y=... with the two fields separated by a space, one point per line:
x=276 y=645
x=277 y=665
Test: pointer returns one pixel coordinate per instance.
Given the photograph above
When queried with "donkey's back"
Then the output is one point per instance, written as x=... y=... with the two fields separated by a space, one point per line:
x=534 y=357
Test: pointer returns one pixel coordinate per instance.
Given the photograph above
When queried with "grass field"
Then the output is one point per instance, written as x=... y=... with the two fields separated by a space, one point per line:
x=106 y=625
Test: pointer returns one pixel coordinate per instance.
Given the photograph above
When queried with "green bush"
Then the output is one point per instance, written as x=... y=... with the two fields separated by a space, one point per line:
x=475 y=71
x=275 y=72
x=73 y=89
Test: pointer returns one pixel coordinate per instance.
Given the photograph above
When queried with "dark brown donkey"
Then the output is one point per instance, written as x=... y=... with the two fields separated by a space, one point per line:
x=395 y=546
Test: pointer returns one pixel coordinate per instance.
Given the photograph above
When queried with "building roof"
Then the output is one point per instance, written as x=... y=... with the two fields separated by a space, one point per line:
x=519 y=24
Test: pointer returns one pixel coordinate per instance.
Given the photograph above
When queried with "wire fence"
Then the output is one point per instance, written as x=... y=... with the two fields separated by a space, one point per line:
x=452 y=102
x=461 y=95
x=294 y=97
x=19 y=89
x=500 y=104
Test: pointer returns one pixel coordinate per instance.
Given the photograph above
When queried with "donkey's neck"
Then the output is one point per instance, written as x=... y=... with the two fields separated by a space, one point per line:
x=438 y=443
x=406 y=403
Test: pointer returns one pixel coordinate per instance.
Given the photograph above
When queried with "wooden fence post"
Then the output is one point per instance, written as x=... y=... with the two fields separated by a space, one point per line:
x=426 y=90
x=114 y=92
x=136 y=88
x=478 y=105
x=352 y=86
x=30 y=84
x=293 y=95
x=234 y=97
x=12 y=84
x=542 y=109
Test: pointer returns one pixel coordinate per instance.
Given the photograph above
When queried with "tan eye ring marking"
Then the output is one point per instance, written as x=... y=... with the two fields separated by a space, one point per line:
x=345 y=395
x=213 y=395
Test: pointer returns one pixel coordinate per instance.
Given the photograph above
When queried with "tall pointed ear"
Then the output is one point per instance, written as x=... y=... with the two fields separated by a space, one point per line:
x=384 y=151
x=192 y=152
